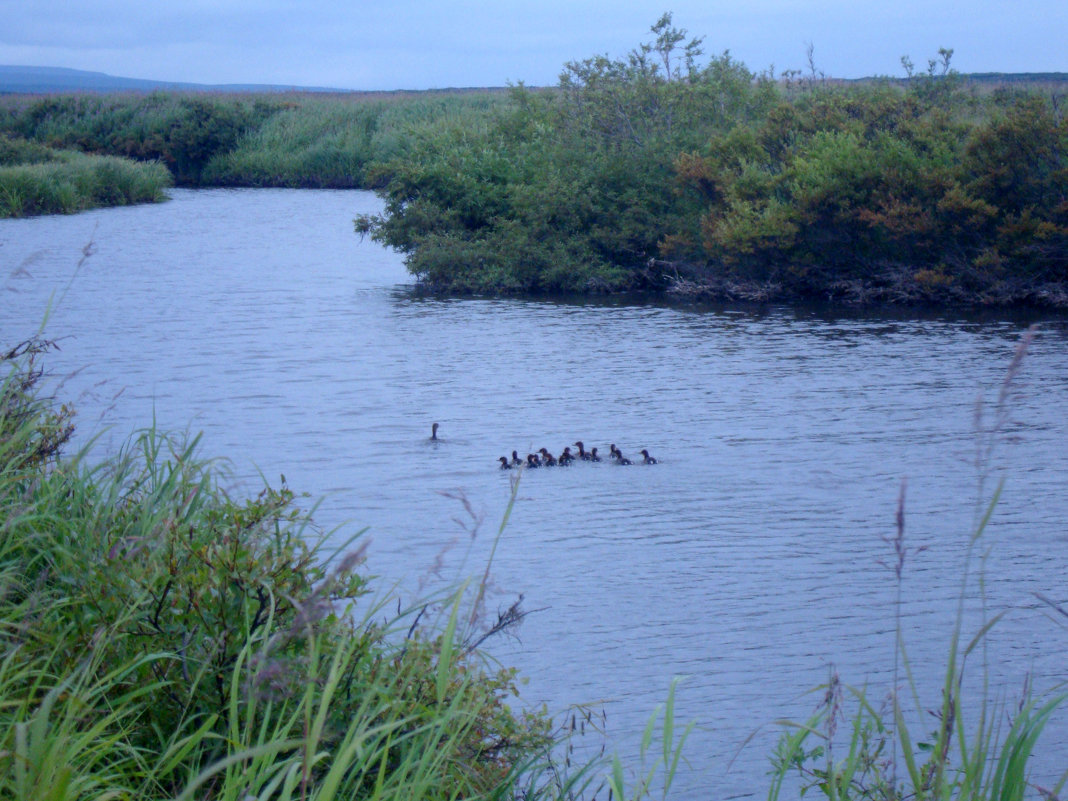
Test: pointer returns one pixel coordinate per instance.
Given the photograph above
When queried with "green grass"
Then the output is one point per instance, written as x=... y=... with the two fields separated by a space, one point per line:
x=331 y=142
x=64 y=182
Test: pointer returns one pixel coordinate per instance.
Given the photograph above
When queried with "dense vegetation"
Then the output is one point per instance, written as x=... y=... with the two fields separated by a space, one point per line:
x=35 y=179
x=295 y=140
x=659 y=171
x=160 y=639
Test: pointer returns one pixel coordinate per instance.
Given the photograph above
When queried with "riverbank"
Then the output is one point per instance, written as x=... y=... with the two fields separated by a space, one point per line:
x=898 y=286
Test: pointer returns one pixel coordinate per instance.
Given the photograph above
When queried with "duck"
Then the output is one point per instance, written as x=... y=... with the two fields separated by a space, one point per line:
x=648 y=459
x=532 y=460
x=620 y=458
x=566 y=458
x=613 y=450
x=434 y=431
x=505 y=465
x=516 y=461
x=593 y=455
x=550 y=460
x=583 y=453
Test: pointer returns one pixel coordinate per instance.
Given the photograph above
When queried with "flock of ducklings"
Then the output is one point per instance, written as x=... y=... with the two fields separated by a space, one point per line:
x=545 y=459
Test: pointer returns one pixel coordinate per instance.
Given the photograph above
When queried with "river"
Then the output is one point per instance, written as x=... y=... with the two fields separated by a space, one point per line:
x=749 y=560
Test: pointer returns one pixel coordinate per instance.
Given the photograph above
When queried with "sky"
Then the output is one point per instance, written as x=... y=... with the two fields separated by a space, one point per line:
x=426 y=44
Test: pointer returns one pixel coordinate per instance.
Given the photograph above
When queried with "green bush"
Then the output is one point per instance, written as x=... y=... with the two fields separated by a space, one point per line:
x=72 y=182
x=917 y=189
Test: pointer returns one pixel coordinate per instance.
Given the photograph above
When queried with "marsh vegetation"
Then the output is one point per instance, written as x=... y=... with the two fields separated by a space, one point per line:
x=35 y=179
x=661 y=171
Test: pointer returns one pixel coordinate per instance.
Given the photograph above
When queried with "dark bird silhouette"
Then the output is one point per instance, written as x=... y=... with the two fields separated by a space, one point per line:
x=550 y=460
x=593 y=455
x=504 y=463
x=583 y=454
x=566 y=458
x=516 y=461
x=434 y=431
x=648 y=459
x=532 y=460
x=620 y=458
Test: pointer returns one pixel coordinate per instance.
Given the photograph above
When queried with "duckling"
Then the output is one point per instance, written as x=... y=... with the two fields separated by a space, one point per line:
x=550 y=460
x=593 y=455
x=620 y=458
x=583 y=453
x=648 y=459
x=613 y=450
x=532 y=460
x=504 y=463
x=516 y=461
x=434 y=431
x=566 y=458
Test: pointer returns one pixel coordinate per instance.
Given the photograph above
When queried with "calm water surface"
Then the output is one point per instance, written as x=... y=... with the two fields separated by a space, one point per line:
x=748 y=560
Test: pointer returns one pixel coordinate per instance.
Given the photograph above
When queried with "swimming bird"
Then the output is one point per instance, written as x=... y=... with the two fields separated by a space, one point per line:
x=613 y=450
x=593 y=455
x=434 y=431
x=620 y=458
x=566 y=458
x=516 y=461
x=550 y=460
x=532 y=460
x=648 y=459
x=504 y=463
x=583 y=454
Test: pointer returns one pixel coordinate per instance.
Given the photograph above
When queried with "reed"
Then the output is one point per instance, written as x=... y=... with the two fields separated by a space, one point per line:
x=970 y=754
x=287 y=140
x=70 y=182
x=331 y=142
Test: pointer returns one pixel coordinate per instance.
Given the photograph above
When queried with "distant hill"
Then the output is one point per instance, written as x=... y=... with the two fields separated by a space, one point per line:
x=43 y=80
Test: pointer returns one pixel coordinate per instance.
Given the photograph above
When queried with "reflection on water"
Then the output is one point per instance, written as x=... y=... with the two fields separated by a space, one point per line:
x=748 y=559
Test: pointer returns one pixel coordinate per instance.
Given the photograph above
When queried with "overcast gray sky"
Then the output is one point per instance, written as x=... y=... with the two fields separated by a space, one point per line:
x=420 y=44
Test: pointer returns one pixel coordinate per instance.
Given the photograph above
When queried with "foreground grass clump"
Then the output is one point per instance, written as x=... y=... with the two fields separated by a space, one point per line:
x=38 y=180
x=160 y=639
